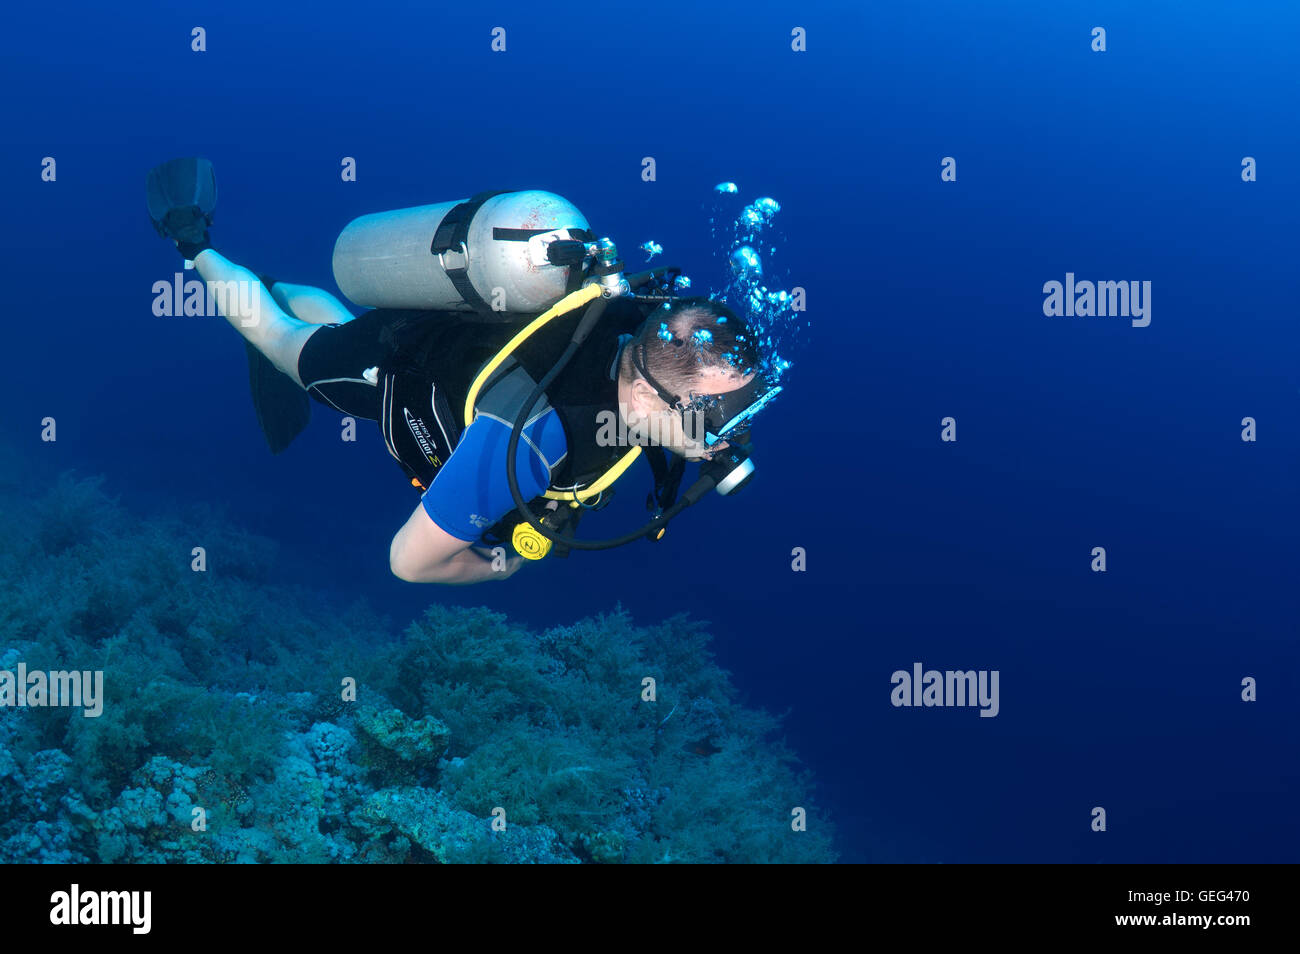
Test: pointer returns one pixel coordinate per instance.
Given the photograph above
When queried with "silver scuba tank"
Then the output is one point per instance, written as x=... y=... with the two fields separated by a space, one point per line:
x=486 y=254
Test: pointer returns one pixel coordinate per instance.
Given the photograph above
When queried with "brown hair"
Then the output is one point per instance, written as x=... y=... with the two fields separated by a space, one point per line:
x=705 y=333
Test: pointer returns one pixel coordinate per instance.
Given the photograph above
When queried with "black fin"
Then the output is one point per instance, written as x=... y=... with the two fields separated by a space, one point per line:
x=181 y=194
x=283 y=409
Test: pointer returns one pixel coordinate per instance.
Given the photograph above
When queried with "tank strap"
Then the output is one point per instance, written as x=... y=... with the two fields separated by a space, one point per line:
x=516 y=235
x=523 y=235
x=451 y=235
x=571 y=253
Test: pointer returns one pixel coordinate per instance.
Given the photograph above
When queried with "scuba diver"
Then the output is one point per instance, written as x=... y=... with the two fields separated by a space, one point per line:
x=515 y=372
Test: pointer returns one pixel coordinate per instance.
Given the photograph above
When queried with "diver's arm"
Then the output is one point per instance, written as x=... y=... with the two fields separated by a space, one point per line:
x=437 y=544
x=423 y=552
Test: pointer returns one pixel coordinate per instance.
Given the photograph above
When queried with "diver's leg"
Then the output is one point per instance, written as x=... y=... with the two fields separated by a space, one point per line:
x=253 y=311
x=312 y=305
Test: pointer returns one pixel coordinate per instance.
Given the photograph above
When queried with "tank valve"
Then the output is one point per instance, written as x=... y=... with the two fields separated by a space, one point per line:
x=609 y=270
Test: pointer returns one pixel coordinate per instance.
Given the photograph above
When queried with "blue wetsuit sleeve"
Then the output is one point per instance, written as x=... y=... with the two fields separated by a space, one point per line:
x=471 y=493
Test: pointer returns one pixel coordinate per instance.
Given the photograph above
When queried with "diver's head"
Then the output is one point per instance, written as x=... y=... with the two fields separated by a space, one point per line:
x=690 y=368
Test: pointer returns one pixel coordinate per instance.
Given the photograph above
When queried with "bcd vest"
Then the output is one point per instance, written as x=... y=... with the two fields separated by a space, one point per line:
x=433 y=359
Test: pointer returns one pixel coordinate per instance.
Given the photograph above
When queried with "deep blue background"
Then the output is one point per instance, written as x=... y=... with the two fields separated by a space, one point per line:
x=1119 y=690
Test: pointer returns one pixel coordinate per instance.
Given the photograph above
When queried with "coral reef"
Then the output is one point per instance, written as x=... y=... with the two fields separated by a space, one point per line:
x=398 y=747
x=228 y=733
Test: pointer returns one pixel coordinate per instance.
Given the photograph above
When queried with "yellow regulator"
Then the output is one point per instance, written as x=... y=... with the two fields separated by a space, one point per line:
x=528 y=543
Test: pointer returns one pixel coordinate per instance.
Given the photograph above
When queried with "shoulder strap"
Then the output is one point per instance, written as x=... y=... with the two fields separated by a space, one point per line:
x=451 y=235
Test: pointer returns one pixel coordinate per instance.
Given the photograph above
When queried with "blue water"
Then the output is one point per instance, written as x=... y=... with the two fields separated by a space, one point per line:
x=1119 y=690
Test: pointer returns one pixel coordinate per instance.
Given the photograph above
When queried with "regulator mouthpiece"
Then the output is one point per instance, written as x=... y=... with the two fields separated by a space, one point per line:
x=731 y=467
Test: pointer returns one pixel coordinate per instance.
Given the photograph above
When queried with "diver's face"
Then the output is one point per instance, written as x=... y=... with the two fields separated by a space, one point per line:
x=669 y=428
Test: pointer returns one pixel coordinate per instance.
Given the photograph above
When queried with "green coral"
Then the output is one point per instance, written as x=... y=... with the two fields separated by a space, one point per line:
x=398 y=746
x=473 y=738
x=451 y=835
x=153 y=821
x=558 y=735
x=604 y=847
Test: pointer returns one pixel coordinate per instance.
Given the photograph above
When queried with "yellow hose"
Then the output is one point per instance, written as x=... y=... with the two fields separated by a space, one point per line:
x=568 y=303
x=565 y=305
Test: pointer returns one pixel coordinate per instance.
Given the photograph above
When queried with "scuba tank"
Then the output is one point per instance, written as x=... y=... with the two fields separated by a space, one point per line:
x=499 y=254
